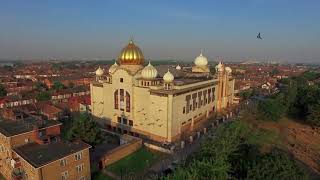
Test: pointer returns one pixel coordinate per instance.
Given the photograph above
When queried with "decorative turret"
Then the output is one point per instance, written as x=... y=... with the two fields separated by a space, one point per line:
x=201 y=64
x=178 y=67
x=219 y=67
x=168 y=77
x=149 y=72
x=113 y=68
x=228 y=70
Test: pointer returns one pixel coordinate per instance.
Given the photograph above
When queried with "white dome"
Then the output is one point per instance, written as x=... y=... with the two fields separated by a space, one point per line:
x=99 y=71
x=178 y=67
x=113 y=68
x=168 y=77
x=228 y=69
x=201 y=60
x=219 y=67
x=149 y=72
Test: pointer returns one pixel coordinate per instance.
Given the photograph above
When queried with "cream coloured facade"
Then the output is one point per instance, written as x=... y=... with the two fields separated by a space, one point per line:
x=138 y=100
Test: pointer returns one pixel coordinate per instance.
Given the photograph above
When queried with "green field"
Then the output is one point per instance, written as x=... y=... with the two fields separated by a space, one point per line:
x=100 y=176
x=137 y=162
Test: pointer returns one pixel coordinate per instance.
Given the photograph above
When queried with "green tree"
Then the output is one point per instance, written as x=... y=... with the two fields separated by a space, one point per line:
x=313 y=116
x=246 y=94
x=3 y=91
x=58 y=85
x=270 y=109
x=212 y=161
x=43 y=96
x=274 y=71
x=275 y=165
x=86 y=129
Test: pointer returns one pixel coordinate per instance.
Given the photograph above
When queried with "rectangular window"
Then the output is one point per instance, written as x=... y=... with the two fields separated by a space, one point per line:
x=184 y=110
x=63 y=162
x=127 y=102
x=205 y=97
x=188 y=97
x=80 y=168
x=64 y=175
x=199 y=99
x=130 y=123
x=213 y=94
x=194 y=101
x=116 y=99
x=121 y=80
x=209 y=95
x=119 y=120
x=78 y=156
x=124 y=121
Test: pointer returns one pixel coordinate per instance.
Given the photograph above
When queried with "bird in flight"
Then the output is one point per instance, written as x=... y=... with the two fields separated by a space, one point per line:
x=259 y=36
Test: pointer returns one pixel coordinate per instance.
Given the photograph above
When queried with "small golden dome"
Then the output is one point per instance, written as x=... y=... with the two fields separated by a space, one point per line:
x=131 y=55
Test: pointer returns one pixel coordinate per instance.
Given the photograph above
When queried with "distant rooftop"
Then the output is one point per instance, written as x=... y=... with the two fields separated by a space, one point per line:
x=11 y=128
x=41 y=154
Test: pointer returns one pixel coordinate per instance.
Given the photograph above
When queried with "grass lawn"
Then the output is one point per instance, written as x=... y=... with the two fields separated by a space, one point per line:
x=135 y=162
x=100 y=176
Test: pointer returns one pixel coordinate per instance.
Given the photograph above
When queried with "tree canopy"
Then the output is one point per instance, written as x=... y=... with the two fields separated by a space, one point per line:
x=58 y=85
x=229 y=156
x=86 y=129
x=43 y=96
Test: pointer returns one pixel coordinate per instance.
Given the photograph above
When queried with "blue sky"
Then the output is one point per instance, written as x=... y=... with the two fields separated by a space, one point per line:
x=163 y=29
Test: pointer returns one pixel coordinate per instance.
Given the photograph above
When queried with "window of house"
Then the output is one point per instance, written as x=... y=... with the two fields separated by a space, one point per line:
x=121 y=80
x=121 y=99
x=78 y=156
x=64 y=175
x=80 y=168
x=116 y=99
x=63 y=162
x=130 y=123
x=209 y=95
x=124 y=121
x=188 y=97
x=127 y=101
x=184 y=110
x=212 y=94
x=119 y=119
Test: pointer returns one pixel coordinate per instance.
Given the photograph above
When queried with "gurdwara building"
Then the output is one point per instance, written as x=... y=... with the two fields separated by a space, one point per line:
x=162 y=104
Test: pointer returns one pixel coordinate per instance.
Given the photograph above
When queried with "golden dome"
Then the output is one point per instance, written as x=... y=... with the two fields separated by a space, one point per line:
x=131 y=55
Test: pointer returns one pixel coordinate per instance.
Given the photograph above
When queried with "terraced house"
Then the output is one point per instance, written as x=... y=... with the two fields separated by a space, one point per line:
x=32 y=150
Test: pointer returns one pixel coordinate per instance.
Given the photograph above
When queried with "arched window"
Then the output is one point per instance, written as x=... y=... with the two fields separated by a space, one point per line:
x=121 y=99
x=128 y=102
x=116 y=99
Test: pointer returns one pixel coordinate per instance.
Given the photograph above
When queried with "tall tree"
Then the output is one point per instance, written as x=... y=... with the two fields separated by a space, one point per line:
x=43 y=96
x=313 y=116
x=58 y=85
x=275 y=165
x=86 y=129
